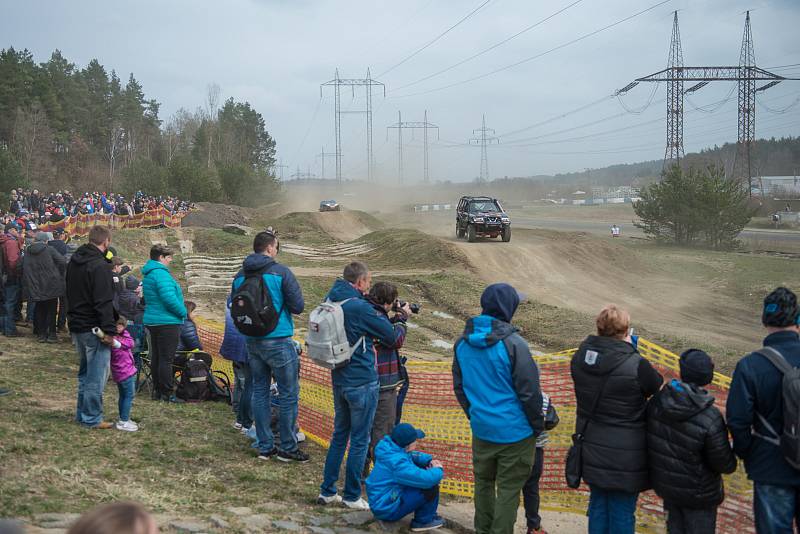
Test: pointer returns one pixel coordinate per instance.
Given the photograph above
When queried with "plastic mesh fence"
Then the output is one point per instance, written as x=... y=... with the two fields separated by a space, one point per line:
x=80 y=225
x=432 y=406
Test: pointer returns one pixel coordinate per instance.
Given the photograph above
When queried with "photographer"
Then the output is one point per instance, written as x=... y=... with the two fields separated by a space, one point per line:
x=383 y=297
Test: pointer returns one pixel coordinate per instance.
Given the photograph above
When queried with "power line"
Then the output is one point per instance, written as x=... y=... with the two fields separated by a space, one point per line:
x=537 y=56
x=429 y=43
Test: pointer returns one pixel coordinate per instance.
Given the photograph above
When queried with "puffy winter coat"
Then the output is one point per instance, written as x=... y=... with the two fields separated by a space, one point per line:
x=163 y=298
x=394 y=469
x=688 y=446
x=90 y=291
x=234 y=344
x=43 y=270
x=12 y=249
x=189 y=340
x=615 y=440
x=122 y=364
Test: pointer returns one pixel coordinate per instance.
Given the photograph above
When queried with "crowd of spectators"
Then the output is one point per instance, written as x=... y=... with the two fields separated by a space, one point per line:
x=30 y=207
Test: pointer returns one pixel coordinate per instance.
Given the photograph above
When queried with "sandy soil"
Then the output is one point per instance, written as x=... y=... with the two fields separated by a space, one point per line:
x=342 y=225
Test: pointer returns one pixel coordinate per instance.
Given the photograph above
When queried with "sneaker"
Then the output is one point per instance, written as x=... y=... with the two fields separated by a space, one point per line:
x=52 y=340
x=436 y=522
x=268 y=455
x=294 y=456
x=127 y=426
x=300 y=437
x=333 y=499
x=41 y=340
x=360 y=504
x=103 y=425
x=237 y=425
x=539 y=530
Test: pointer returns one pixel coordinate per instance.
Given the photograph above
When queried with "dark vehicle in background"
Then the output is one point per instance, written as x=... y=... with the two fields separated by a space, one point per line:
x=481 y=217
x=329 y=205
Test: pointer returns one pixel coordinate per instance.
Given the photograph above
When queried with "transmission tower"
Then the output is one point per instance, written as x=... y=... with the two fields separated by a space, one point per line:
x=746 y=74
x=337 y=84
x=424 y=126
x=483 y=139
x=322 y=155
x=281 y=166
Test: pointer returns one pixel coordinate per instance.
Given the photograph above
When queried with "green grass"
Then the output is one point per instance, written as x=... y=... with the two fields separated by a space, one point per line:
x=411 y=249
x=217 y=242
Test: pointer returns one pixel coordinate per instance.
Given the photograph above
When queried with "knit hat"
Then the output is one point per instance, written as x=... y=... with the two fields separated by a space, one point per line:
x=780 y=308
x=43 y=237
x=696 y=367
x=404 y=434
x=11 y=226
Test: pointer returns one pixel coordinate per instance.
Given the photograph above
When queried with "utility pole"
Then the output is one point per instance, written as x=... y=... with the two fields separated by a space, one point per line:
x=337 y=84
x=747 y=107
x=322 y=155
x=424 y=126
x=281 y=166
x=483 y=139
x=674 y=151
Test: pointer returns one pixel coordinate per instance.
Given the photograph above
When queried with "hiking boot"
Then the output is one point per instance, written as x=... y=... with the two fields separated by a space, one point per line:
x=333 y=499
x=359 y=504
x=436 y=522
x=268 y=455
x=127 y=426
x=104 y=425
x=41 y=339
x=294 y=456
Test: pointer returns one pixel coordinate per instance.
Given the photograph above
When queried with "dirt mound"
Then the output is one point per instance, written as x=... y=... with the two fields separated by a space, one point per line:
x=346 y=225
x=212 y=215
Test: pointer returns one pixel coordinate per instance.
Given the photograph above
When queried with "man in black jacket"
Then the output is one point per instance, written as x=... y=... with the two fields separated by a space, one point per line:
x=90 y=295
x=688 y=448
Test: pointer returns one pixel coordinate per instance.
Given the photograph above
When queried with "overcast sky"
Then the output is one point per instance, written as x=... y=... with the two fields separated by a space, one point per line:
x=276 y=53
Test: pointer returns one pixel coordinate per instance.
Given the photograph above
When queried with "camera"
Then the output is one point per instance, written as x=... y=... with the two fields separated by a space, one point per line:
x=398 y=304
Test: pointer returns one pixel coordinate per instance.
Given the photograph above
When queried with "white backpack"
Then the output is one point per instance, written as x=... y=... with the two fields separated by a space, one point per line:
x=326 y=341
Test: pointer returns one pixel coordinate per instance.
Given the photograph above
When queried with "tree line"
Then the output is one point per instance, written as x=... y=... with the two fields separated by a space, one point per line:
x=66 y=127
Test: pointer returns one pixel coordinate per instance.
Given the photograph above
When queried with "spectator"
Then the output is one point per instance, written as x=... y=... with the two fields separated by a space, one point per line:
x=123 y=371
x=233 y=348
x=274 y=355
x=59 y=242
x=383 y=297
x=612 y=385
x=164 y=313
x=688 y=448
x=115 y=518
x=43 y=278
x=11 y=242
x=189 y=340
x=90 y=297
x=405 y=481
x=130 y=300
x=355 y=387
x=497 y=384
x=530 y=491
x=755 y=413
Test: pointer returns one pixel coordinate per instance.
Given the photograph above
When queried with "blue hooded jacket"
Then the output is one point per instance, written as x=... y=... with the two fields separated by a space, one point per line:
x=495 y=378
x=233 y=346
x=283 y=288
x=394 y=469
x=163 y=298
x=360 y=319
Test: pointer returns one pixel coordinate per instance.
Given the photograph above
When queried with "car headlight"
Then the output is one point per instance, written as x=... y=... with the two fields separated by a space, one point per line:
x=477 y=219
x=505 y=219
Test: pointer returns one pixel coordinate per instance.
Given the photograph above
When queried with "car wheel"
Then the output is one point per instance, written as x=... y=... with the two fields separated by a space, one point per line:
x=471 y=233
x=506 y=235
x=459 y=233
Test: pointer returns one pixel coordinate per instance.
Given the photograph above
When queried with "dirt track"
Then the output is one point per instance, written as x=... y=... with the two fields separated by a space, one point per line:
x=342 y=225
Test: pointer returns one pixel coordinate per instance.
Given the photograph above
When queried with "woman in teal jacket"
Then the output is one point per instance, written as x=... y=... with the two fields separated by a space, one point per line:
x=164 y=313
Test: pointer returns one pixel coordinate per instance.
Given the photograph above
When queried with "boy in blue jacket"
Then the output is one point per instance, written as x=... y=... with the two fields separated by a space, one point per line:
x=405 y=481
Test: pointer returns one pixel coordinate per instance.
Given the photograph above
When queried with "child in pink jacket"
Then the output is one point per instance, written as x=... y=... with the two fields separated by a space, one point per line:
x=123 y=371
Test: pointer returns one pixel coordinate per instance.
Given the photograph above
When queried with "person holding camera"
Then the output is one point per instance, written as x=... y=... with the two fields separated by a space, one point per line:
x=383 y=297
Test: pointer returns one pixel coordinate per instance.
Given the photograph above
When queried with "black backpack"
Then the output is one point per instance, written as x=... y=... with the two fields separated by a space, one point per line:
x=252 y=309
x=789 y=439
x=193 y=385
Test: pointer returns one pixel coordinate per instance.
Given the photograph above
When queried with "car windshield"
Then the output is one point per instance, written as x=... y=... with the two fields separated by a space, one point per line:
x=483 y=206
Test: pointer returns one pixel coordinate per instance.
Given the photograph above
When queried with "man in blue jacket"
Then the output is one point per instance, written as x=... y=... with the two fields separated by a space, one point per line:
x=497 y=384
x=755 y=397
x=355 y=387
x=274 y=355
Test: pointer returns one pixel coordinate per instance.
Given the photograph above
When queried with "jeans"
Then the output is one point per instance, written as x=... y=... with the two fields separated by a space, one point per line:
x=127 y=389
x=243 y=393
x=163 y=344
x=274 y=358
x=10 y=299
x=422 y=502
x=44 y=318
x=612 y=512
x=530 y=491
x=354 y=409
x=776 y=508
x=95 y=358
x=501 y=470
x=690 y=520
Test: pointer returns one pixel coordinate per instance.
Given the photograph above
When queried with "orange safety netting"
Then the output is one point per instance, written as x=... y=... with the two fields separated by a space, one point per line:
x=80 y=224
x=432 y=406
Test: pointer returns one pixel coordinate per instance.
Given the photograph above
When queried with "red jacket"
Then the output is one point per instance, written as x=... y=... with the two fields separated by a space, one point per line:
x=12 y=249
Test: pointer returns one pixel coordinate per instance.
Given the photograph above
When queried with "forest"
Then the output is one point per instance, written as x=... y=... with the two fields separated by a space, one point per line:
x=85 y=129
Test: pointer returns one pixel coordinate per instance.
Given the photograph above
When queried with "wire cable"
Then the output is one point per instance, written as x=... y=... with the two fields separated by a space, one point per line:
x=642 y=109
x=713 y=107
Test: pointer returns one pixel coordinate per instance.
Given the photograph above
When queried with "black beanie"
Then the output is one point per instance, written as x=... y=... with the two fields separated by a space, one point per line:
x=780 y=308
x=696 y=367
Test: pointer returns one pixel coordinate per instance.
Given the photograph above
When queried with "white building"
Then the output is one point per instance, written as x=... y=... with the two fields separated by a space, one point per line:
x=788 y=184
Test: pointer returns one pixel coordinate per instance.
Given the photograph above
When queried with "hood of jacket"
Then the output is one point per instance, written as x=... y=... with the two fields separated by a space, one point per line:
x=500 y=301
x=36 y=248
x=131 y=282
x=601 y=354
x=256 y=262
x=484 y=331
x=153 y=265
x=680 y=401
x=87 y=253
x=343 y=290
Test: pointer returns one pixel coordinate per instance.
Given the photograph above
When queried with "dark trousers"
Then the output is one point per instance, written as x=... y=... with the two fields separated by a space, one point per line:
x=44 y=318
x=530 y=491
x=61 y=322
x=382 y=424
x=690 y=520
x=163 y=344
x=244 y=387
